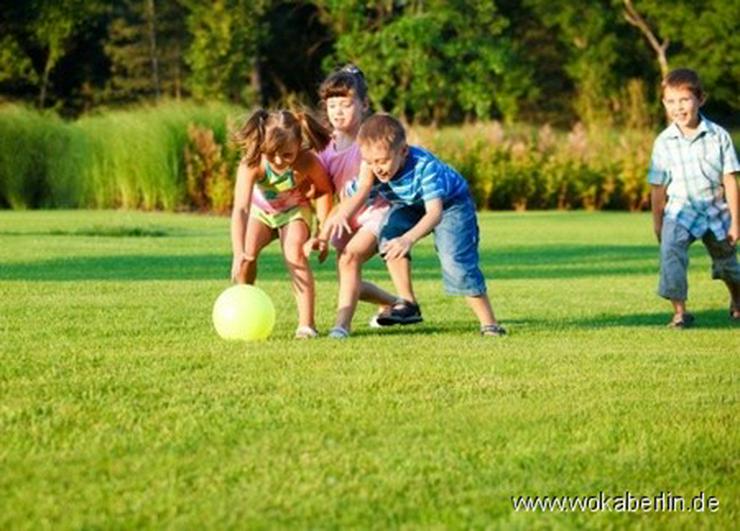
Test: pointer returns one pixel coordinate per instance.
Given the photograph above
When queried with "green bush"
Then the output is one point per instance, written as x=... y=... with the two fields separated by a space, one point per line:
x=146 y=158
x=129 y=159
x=524 y=168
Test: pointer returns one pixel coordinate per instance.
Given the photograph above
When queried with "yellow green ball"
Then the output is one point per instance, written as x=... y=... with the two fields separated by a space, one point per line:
x=244 y=313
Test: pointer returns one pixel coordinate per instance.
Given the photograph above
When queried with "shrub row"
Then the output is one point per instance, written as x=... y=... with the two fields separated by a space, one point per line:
x=527 y=168
x=127 y=159
x=176 y=156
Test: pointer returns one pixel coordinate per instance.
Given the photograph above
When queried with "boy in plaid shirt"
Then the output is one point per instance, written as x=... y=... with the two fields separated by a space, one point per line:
x=694 y=195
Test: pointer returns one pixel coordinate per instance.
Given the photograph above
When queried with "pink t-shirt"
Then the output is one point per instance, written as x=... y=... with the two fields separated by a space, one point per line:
x=344 y=167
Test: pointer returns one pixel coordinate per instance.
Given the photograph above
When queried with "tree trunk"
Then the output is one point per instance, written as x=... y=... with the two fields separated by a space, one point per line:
x=151 y=29
x=634 y=18
x=45 y=82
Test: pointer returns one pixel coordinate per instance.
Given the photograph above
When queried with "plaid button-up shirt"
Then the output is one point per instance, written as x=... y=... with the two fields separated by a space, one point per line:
x=692 y=169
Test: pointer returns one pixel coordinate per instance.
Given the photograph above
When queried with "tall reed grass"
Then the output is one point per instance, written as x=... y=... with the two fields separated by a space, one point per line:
x=175 y=155
x=129 y=159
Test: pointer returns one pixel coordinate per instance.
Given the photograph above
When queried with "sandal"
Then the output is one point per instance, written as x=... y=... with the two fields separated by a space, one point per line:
x=305 y=332
x=338 y=332
x=686 y=321
x=492 y=330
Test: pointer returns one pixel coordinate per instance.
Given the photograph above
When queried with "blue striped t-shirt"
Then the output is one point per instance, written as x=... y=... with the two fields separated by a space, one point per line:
x=422 y=177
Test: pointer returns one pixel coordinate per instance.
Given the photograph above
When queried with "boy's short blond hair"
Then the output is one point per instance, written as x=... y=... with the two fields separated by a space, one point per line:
x=683 y=78
x=382 y=128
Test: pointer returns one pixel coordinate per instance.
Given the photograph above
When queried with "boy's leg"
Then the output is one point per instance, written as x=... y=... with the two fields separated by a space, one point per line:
x=725 y=267
x=456 y=239
x=257 y=236
x=399 y=220
x=674 y=262
x=292 y=237
x=481 y=306
x=400 y=271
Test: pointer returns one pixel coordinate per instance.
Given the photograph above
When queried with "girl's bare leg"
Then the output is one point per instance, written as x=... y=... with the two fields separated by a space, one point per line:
x=292 y=237
x=257 y=237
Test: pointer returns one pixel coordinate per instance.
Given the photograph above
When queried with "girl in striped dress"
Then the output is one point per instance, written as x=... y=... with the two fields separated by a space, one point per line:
x=278 y=173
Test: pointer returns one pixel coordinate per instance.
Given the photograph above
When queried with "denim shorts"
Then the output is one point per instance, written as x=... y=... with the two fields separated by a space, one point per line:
x=456 y=240
x=675 y=240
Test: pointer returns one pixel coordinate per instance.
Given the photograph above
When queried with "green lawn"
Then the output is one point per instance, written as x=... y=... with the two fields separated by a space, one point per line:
x=121 y=408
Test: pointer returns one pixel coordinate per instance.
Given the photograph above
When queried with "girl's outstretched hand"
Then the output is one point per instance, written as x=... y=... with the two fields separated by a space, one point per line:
x=337 y=225
x=316 y=244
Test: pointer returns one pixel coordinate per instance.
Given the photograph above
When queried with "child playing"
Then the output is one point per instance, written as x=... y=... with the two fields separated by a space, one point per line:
x=344 y=95
x=426 y=195
x=694 y=164
x=270 y=199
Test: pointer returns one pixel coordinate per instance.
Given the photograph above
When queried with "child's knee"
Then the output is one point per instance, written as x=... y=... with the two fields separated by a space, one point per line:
x=350 y=259
x=294 y=256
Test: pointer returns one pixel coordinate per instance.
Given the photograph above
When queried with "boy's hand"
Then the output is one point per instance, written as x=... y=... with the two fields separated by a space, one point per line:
x=316 y=244
x=733 y=234
x=397 y=248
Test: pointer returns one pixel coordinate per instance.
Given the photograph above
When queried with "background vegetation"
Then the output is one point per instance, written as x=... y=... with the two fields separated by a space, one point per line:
x=540 y=104
x=437 y=61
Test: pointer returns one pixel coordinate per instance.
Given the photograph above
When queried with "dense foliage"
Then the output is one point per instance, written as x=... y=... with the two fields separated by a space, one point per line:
x=437 y=61
x=178 y=156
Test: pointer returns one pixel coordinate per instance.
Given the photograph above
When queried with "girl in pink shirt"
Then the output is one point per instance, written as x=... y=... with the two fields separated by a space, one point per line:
x=344 y=95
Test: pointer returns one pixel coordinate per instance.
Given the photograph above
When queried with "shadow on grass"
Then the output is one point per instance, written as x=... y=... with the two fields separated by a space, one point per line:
x=713 y=319
x=705 y=320
x=521 y=262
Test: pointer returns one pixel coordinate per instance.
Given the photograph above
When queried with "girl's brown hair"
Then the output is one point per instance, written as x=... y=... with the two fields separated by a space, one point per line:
x=266 y=132
x=348 y=81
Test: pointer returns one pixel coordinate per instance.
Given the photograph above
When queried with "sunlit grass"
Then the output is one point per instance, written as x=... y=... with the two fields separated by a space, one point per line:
x=120 y=407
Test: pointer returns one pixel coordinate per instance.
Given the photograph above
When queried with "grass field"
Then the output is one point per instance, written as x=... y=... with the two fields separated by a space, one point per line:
x=121 y=408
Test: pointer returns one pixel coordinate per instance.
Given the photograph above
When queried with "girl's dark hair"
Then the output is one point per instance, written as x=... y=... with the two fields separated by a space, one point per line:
x=347 y=81
x=266 y=132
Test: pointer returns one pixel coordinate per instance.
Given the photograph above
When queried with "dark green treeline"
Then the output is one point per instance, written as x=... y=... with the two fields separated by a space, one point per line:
x=431 y=61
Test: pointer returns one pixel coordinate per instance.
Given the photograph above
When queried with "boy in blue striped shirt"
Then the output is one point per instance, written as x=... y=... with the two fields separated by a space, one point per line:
x=426 y=196
x=694 y=167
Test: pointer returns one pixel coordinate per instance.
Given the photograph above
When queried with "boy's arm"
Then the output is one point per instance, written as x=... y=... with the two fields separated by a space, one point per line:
x=338 y=223
x=733 y=203
x=400 y=247
x=657 y=204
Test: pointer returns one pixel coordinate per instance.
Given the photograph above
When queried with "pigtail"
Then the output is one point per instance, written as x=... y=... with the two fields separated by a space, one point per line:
x=251 y=137
x=317 y=134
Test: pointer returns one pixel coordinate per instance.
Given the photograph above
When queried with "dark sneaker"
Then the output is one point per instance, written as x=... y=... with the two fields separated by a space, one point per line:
x=403 y=313
x=493 y=330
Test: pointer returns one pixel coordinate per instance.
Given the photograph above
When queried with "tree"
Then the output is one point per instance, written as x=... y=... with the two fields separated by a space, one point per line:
x=52 y=30
x=633 y=17
x=223 y=51
x=430 y=60
x=145 y=47
x=702 y=36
